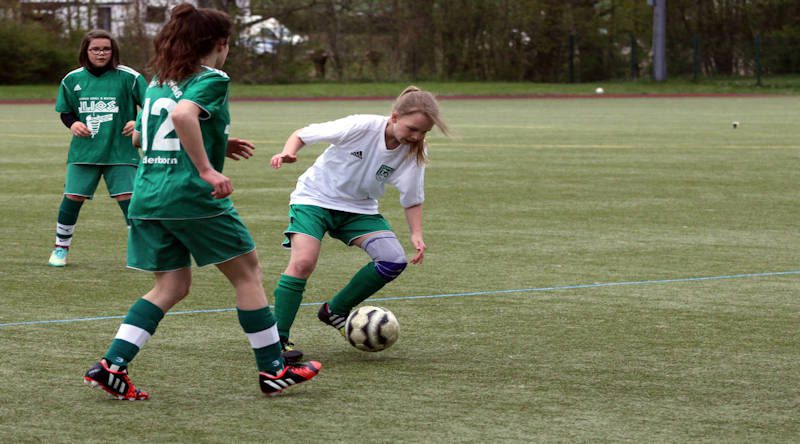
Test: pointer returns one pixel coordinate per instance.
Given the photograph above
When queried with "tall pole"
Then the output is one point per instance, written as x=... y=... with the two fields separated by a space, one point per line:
x=634 y=59
x=695 y=58
x=659 y=39
x=758 y=60
x=572 y=58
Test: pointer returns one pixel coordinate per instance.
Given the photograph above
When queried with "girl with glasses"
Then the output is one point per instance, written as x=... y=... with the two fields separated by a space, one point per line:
x=98 y=104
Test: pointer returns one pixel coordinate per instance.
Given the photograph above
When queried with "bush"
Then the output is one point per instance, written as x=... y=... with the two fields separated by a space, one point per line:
x=32 y=54
x=781 y=51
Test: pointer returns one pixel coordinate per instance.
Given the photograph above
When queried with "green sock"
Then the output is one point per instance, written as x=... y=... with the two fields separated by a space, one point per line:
x=68 y=211
x=67 y=217
x=288 y=296
x=136 y=329
x=364 y=284
x=259 y=326
x=123 y=205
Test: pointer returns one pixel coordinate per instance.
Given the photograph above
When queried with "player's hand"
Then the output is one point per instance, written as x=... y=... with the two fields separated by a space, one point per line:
x=239 y=149
x=281 y=158
x=419 y=245
x=127 y=130
x=223 y=187
x=79 y=129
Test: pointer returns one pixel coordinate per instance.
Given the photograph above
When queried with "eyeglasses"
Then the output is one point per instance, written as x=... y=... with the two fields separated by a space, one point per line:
x=97 y=51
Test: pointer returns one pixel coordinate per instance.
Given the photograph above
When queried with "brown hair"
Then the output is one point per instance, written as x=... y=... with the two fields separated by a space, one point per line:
x=189 y=35
x=83 y=55
x=414 y=100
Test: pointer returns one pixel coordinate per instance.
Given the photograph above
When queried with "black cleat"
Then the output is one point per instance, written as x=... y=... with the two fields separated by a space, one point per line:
x=334 y=320
x=290 y=354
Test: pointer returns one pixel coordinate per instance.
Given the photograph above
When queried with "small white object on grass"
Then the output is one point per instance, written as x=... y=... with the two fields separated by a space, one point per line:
x=599 y=90
x=735 y=124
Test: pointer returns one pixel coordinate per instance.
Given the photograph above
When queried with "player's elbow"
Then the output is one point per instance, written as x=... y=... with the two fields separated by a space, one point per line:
x=185 y=113
x=180 y=116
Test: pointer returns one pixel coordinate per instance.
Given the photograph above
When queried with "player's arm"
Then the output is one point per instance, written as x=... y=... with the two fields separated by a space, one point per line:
x=290 y=150
x=186 y=118
x=239 y=149
x=414 y=219
x=127 y=130
x=76 y=127
x=137 y=94
x=66 y=106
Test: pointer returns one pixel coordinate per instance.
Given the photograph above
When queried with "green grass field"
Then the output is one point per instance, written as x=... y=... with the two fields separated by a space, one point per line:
x=772 y=85
x=598 y=271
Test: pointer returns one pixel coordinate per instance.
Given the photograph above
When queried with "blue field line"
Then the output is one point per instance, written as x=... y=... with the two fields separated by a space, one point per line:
x=448 y=295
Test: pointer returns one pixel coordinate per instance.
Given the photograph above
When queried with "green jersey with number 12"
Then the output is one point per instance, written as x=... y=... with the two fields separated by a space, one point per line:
x=168 y=185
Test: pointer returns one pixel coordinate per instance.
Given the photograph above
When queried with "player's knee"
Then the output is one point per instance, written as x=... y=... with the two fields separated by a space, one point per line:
x=390 y=270
x=301 y=268
x=256 y=274
x=171 y=292
x=75 y=198
x=387 y=254
x=183 y=292
x=181 y=288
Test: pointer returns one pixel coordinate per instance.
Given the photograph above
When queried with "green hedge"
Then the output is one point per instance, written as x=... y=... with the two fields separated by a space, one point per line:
x=32 y=54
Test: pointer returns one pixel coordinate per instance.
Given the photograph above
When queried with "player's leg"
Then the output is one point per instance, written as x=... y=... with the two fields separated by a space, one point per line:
x=119 y=181
x=143 y=317
x=80 y=183
x=225 y=241
x=388 y=261
x=244 y=273
x=256 y=319
x=139 y=325
x=291 y=284
x=151 y=247
x=124 y=201
x=307 y=227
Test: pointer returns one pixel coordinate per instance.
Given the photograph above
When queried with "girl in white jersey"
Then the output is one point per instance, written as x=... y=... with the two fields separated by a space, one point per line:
x=339 y=195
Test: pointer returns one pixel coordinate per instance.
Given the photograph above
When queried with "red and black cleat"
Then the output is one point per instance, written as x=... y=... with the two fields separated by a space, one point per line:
x=292 y=374
x=114 y=381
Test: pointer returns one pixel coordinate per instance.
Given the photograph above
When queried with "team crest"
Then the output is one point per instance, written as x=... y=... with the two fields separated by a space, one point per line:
x=383 y=173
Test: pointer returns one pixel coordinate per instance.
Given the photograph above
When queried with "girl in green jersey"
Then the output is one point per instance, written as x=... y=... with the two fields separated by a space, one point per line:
x=97 y=103
x=181 y=209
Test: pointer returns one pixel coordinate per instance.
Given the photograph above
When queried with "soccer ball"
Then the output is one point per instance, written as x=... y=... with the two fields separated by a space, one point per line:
x=371 y=329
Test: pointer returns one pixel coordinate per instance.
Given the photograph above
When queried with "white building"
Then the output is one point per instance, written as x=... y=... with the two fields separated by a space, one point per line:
x=117 y=16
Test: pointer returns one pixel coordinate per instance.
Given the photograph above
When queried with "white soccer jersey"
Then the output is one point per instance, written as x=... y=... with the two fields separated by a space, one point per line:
x=351 y=174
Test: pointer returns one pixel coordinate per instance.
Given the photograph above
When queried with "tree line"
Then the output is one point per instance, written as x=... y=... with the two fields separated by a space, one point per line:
x=463 y=40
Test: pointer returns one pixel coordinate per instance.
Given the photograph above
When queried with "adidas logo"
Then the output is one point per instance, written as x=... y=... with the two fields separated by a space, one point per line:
x=77 y=88
x=359 y=154
x=117 y=384
x=279 y=384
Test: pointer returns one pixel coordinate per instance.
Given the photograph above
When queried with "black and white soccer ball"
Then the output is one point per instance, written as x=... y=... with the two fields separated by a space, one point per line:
x=371 y=328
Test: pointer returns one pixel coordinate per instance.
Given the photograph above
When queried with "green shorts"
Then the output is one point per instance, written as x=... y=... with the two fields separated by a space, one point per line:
x=315 y=221
x=168 y=245
x=82 y=179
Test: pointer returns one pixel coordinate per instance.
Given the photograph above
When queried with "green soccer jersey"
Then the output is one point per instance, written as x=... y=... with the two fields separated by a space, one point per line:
x=105 y=104
x=168 y=185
